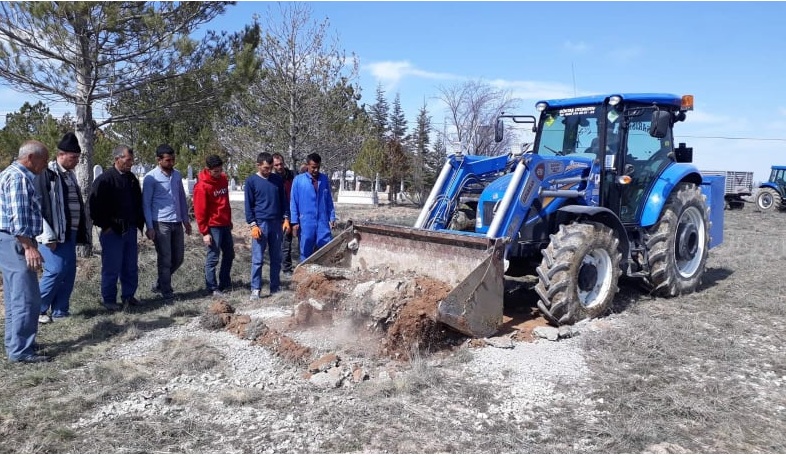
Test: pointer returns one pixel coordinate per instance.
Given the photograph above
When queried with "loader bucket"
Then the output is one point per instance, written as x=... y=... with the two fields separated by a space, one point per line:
x=471 y=265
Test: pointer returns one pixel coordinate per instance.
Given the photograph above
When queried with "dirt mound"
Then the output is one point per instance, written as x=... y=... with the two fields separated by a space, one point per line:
x=402 y=306
x=220 y=315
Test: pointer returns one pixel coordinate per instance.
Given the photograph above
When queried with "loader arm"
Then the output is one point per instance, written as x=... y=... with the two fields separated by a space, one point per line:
x=460 y=174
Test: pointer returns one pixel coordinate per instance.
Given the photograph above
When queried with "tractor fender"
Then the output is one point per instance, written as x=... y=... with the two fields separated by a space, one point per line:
x=770 y=185
x=601 y=215
x=672 y=176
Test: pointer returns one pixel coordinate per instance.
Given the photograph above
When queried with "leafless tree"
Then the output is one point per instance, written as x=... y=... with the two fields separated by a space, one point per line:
x=304 y=95
x=473 y=107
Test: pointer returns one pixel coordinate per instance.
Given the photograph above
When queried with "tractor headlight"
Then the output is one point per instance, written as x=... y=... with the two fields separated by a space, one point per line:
x=615 y=100
x=541 y=106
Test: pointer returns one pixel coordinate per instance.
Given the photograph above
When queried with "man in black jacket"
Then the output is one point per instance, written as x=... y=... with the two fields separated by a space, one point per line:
x=116 y=208
x=62 y=210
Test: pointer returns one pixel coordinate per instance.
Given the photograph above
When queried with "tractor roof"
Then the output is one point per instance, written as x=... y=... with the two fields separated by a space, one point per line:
x=659 y=98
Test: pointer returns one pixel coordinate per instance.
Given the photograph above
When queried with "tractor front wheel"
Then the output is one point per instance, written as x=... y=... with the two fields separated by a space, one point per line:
x=768 y=199
x=577 y=278
x=678 y=243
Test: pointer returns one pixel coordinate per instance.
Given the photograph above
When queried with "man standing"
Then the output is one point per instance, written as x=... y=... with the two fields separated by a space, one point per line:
x=116 y=208
x=265 y=212
x=280 y=168
x=166 y=216
x=20 y=223
x=214 y=220
x=63 y=213
x=311 y=208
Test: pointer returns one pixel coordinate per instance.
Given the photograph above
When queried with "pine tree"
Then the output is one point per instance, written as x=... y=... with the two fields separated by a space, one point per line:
x=398 y=121
x=379 y=112
x=420 y=175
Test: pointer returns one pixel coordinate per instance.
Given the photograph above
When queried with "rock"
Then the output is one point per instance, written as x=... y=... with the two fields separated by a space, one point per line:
x=384 y=288
x=359 y=374
x=665 y=447
x=325 y=380
x=547 y=332
x=568 y=331
x=363 y=288
x=324 y=363
x=330 y=379
x=220 y=307
x=500 y=342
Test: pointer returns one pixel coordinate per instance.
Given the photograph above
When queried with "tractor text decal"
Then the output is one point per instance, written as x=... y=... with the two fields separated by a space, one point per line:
x=527 y=191
x=577 y=111
x=576 y=165
x=555 y=167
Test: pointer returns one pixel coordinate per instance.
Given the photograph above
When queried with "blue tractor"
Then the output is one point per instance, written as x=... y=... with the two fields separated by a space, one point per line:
x=603 y=192
x=772 y=193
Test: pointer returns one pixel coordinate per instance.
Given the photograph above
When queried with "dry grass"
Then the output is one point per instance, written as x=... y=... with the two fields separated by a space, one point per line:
x=702 y=372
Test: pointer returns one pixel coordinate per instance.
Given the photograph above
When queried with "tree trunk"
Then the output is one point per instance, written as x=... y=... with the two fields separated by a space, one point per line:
x=85 y=133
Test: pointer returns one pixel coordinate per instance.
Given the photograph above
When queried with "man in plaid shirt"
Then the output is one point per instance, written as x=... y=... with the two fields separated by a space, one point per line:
x=20 y=260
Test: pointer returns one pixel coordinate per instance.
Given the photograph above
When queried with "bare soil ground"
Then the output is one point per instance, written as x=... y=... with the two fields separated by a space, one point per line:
x=358 y=365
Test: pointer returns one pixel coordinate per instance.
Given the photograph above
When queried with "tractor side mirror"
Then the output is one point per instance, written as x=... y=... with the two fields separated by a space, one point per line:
x=661 y=123
x=683 y=154
x=499 y=130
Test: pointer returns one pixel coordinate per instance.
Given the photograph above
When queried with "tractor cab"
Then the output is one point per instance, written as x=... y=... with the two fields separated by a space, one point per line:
x=627 y=138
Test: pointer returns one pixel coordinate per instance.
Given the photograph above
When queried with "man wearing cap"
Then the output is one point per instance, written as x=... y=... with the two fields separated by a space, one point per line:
x=214 y=219
x=166 y=216
x=63 y=213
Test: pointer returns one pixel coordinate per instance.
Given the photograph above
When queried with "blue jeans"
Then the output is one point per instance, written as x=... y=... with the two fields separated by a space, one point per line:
x=22 y=299
x=170 y=248
x=119 y=253
x=221 y=245
x=271 y=239
x=57 y=281
x=286 y=252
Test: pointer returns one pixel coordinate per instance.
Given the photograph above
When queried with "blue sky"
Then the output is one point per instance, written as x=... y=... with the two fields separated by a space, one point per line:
x=729 y=55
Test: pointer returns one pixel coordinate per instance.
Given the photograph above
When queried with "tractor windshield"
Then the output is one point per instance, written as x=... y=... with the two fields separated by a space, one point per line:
x=569 y=131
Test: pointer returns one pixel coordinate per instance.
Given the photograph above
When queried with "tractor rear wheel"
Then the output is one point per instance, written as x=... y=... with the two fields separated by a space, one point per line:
x=768 y=199
x=577 y=278
x=678 y=243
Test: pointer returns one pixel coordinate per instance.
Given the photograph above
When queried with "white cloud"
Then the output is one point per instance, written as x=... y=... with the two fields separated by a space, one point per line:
x=391 y=73
x=579 y=47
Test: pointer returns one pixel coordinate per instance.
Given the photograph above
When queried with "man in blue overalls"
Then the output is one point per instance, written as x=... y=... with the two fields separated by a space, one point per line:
x=311 y=208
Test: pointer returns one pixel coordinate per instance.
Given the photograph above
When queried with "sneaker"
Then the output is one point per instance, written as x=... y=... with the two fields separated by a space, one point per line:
x=111 y=306
x=33 y=359
x=217 y=293
x=56 y=316
x=44 y=318
x=131 y=301
x=254 y=294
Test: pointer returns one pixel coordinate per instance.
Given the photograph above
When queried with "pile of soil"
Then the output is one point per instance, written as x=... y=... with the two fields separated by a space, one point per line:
x=402 y=306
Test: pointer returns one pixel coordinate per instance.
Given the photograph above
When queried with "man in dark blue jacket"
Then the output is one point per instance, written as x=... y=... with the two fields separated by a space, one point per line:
x=311 y=208
x=266 y=210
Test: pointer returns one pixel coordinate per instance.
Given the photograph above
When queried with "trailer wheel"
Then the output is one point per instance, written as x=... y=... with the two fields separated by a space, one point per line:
x=767 y=199
x=678 y=243
x=577 y=278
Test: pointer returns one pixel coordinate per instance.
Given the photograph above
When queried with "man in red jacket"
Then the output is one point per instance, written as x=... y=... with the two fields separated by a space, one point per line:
x=214 y=218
